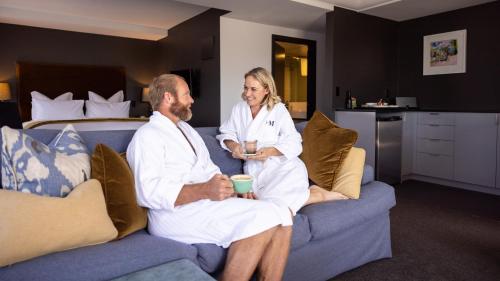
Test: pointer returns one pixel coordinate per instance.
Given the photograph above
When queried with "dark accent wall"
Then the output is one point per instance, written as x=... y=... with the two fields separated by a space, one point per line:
x=195 y=44
x=364 y=55
x=368 y=54
x=475 y=90
x=22 y=43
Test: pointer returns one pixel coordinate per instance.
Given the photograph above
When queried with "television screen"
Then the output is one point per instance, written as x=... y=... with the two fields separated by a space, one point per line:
x=192 y=79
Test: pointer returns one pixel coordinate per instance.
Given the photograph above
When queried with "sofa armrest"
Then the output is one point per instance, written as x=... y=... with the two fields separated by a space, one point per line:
x=368 y=175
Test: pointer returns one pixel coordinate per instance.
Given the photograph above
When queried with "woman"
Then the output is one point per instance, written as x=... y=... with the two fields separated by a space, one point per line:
x=279 y=175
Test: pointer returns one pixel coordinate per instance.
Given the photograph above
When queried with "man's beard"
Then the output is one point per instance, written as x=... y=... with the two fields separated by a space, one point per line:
x=181 y=111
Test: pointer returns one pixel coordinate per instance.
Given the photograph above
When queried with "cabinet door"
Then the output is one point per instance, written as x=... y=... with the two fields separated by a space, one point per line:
x=364 y=123
x=498 y=149
x=476 y=148
x=408 y=142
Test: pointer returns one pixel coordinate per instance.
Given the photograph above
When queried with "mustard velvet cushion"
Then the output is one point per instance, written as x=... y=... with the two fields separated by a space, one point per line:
x=325 y=146
x=348 y=180
x=33 y=225
x=112 y=170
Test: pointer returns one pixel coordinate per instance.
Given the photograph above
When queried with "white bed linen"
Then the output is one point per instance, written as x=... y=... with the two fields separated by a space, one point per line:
x=104 y=124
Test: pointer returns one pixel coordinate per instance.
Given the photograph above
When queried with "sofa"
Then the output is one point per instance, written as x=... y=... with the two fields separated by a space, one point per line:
x=328 y=238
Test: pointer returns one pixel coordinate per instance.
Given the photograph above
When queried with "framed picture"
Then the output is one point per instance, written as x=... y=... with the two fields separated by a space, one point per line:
x=444 y=53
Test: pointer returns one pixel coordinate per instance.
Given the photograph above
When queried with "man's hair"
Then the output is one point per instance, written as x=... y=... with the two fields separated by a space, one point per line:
x=160 y=85
x=266 y=80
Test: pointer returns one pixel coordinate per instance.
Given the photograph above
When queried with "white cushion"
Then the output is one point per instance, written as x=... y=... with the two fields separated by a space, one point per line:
x=107 y=109
x=56 y=110
x=63 y=97
x=117 y=97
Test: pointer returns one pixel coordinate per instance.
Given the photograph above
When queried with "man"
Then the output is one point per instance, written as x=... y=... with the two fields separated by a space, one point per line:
x=190 y=201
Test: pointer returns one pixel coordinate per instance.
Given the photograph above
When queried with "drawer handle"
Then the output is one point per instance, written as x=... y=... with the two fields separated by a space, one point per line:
x=434 y=113
x=434 y=125
x=433 y=154
x=434 y=139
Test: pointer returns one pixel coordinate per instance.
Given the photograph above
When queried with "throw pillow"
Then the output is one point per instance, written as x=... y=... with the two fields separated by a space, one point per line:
x=348 y=180
x=117 y=180
x=31 y=166
x=33 y=225
x=325 y=146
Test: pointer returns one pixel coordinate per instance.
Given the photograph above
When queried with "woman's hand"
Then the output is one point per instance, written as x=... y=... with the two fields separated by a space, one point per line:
x=248 y=195
x=236 y=149
x=264 y=153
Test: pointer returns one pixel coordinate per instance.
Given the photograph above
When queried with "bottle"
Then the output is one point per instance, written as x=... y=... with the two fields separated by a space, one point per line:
x=348 y=100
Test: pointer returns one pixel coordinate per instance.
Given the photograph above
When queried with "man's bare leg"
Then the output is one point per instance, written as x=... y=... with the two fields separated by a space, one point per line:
x=273 y=263
x=318 y=194
x=244 y=255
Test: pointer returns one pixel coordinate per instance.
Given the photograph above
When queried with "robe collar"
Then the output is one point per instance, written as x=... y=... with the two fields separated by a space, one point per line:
x=162 y=121
x=256 y=123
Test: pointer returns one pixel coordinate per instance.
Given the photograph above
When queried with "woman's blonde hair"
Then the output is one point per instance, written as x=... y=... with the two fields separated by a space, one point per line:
x=266 y=80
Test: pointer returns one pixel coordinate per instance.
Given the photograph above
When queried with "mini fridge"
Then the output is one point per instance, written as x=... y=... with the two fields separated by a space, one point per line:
x=388 y=147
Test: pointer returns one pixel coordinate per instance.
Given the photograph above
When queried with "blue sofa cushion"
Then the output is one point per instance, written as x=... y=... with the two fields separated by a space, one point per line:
x=102 y=262
x=329 y=218
x=212 y=257
x=31 y=166
x=221 y=157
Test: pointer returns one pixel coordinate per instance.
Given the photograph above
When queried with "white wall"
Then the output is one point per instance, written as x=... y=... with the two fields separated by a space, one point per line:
x=245 y=45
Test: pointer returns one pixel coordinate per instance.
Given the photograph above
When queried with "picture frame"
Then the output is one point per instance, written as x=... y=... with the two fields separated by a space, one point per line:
x=445 y=53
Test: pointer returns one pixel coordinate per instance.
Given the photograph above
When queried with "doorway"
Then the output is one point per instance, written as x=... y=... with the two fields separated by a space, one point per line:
x=294 y=71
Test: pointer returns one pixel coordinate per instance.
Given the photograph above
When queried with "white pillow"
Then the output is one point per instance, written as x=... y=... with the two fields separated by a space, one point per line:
x=107 y=109
x=56 y=110
x=63 y=97
x=117 y=97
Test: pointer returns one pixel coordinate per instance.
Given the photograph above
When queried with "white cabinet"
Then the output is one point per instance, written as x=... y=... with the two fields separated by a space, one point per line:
x=476 y=148
x=408 y=142
x=365 y=124
x=435 y=145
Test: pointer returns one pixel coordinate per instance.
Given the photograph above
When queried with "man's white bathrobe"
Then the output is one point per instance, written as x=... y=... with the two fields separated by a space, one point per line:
x=281 y=179
x=163 y=161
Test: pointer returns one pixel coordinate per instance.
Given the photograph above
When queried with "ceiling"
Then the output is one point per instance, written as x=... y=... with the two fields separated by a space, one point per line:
x=151 y=19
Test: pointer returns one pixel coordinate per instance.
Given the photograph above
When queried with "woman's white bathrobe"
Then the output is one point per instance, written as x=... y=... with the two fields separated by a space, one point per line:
x=163 y=162
x=281 y=179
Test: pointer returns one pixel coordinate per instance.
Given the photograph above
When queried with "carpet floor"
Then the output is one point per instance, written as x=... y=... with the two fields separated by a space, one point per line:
x=439 y=233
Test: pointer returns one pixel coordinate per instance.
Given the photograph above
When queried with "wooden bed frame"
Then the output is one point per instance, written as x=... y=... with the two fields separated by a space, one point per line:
x=53 y=80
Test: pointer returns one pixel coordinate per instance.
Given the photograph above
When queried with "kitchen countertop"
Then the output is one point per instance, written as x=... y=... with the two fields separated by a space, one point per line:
x=402 y=109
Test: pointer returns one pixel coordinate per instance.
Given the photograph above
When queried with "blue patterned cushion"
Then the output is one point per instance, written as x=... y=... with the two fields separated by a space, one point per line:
x=31 y=166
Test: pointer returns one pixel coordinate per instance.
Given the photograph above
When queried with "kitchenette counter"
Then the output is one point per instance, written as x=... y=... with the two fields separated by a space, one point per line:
x=402 y=109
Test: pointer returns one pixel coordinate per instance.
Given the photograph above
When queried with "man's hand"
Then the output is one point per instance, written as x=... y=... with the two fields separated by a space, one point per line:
x=219 y=187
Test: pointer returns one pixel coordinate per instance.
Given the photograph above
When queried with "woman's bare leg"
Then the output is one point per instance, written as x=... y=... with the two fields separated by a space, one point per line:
x=318 y=194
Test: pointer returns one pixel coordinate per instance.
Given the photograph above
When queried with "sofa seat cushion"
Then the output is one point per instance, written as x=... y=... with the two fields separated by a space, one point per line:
x=212 y=257
x=328 y=218
x=172 y=271
x=102 y=262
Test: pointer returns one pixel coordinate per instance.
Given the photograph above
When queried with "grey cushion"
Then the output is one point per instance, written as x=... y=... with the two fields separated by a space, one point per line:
x=102 y=262
x=330 y=218
x=222 y=158
x=211 y=257
x=368 y=175
x=172 y=271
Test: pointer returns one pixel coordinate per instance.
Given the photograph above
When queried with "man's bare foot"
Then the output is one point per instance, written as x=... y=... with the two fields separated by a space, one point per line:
x=328 y=195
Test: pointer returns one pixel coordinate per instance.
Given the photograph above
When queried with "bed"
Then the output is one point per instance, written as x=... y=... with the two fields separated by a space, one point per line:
x=55 y=79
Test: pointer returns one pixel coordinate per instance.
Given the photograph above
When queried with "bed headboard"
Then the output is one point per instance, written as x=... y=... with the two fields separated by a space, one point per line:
x=55 y=79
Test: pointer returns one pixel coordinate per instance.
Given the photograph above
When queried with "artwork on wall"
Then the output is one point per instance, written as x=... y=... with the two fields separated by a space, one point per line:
x=445 y=53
